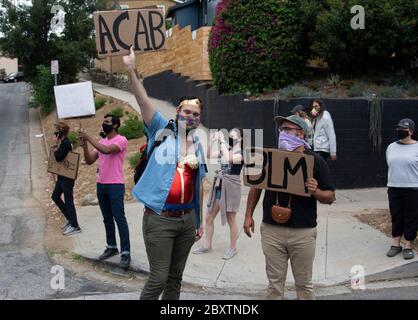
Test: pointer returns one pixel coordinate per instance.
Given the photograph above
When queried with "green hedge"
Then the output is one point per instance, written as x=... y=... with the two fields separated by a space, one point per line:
x=257 y=45
x=99 y=102
x=43 y=90
x=389 y=41
x=132 y=128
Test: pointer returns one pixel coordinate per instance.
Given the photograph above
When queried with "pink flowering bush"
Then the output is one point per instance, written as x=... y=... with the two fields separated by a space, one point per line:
x=257 y=45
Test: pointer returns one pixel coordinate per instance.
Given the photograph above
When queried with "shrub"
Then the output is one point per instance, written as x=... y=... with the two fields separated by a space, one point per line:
x=413 y=90
x=118 y=112
x=389 y=42
x=99 y=102
x=133 y=160
x=73 y=137
x=257 y=45
x=390 y=92
x=296 y=91
x=43 y=90
x=132 y=128
x=357 y=90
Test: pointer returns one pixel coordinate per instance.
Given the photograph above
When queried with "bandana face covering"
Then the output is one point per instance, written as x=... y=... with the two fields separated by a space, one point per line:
x=290 y=142
x=190 y=121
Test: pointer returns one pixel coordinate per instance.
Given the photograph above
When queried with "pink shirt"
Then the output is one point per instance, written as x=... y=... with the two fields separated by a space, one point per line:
x=111 y=165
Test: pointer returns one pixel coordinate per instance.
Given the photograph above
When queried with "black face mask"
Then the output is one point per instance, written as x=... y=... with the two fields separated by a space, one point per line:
x=402 y=134
x=102 y=134
x=107 y=128
x=58 y=134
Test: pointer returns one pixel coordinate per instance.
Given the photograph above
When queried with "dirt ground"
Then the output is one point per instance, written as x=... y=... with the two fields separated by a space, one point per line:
x=380 y=219
x=86 y=180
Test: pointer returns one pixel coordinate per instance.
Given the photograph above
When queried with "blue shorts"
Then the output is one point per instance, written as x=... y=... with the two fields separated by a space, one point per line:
x=218 y=194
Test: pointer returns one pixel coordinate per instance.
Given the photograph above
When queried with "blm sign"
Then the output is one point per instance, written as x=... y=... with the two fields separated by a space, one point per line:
x=117 y=31
x=278 y=170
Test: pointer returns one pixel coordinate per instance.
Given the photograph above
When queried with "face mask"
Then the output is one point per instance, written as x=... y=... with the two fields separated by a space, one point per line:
x=58 y=134
x=402 y=134
x=107 y=128
x=314 y=113
x=191 y=122
x=102 y=134
x=290 y=142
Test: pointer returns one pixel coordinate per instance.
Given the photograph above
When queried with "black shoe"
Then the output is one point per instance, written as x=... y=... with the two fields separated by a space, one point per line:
x=109 y=252
x=125 y=261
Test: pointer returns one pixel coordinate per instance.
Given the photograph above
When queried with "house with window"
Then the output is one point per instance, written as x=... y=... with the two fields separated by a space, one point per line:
x=193 y=13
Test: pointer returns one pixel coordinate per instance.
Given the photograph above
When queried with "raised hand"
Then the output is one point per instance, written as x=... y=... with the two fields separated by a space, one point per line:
x=129 y=60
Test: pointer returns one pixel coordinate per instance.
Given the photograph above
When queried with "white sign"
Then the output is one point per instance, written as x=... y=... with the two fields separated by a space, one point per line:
x=54 y=67
x=75 y=100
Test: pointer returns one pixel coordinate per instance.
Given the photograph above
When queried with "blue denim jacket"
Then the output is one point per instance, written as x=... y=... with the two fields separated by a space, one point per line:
x=155 y=183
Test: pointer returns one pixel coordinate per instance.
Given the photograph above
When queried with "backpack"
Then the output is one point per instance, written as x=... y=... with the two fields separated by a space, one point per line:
x=143 y=160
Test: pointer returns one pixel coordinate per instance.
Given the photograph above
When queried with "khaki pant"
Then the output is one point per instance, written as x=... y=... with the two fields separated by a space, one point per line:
x=281 y=244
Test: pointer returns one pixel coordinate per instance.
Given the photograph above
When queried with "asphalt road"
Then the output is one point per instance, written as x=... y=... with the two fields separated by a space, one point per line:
x=25 y=268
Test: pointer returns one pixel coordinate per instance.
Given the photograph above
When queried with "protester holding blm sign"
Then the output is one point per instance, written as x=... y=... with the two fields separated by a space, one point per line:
x=288 y=230
x=173 y=200
x=65 y=185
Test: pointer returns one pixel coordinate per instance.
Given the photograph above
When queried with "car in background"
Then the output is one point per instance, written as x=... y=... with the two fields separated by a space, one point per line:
x=14 y=77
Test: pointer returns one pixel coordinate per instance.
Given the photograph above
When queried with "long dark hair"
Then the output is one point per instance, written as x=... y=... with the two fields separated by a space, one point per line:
x=321 y=104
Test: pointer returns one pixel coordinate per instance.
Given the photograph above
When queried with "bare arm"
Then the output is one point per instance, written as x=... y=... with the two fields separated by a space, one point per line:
x=323 y=196
x=138 y=90
x=89 y=156
x=100 y=147
x=252 y=200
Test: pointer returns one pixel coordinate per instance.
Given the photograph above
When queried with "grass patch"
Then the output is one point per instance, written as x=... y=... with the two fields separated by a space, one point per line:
x=99 y=102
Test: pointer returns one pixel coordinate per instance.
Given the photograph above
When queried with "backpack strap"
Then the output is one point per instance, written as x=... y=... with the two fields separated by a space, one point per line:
x=161 y=138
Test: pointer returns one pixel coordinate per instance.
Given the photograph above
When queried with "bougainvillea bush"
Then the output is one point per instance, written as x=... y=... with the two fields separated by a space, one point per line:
x=257 y=45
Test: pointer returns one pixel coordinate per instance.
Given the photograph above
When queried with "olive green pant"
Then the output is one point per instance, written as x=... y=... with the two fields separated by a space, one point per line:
x=168 y=242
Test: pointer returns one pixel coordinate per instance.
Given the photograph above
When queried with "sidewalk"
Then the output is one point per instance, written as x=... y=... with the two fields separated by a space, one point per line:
x=342 y=240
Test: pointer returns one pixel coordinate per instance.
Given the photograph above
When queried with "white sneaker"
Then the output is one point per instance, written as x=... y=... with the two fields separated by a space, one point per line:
x=65 y=225
x=201 y=250
x=230 y=253
x=71 y=230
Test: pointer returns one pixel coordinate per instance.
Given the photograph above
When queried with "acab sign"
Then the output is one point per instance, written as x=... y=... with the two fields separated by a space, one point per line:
x=117 y=31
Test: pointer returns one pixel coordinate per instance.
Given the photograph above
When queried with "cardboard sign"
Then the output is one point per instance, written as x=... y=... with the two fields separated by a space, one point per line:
x=117 y=31
x=278 y=170
x=75 y=100
x=66 y=168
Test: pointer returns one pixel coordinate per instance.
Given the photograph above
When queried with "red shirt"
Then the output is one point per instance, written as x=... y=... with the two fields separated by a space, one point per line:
x=182 y=189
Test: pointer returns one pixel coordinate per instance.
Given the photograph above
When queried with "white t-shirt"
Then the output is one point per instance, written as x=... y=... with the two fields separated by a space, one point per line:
x=402 y=160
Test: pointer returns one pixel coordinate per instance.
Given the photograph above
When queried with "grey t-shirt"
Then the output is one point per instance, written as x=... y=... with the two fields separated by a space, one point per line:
x=402 y=160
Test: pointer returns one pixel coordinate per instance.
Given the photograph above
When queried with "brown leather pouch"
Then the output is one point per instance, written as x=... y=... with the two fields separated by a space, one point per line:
x=281 y=214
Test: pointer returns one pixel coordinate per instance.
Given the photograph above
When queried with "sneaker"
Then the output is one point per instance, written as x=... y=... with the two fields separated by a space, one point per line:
x=408 y=254
x=65 y=225
x=230 y=253
x=71 y=230
x=65 y=230
x=393 y=251
x=109 y=252
x=125 y=261
x=201 y=250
